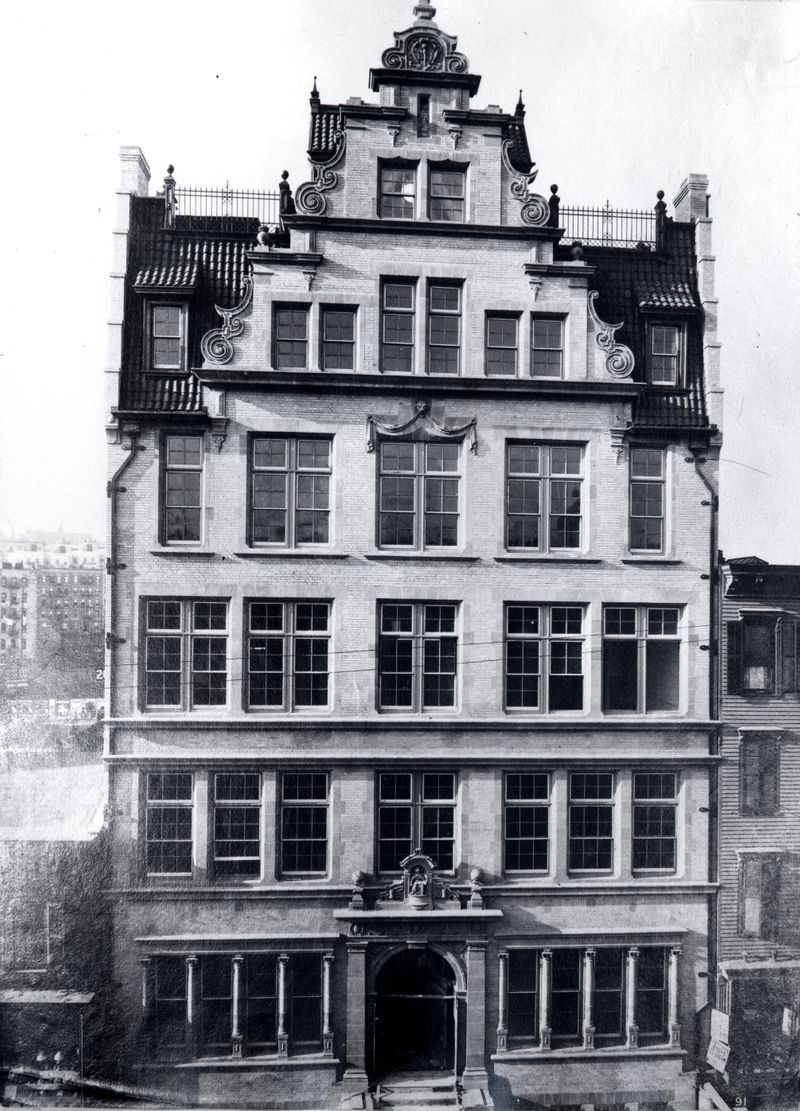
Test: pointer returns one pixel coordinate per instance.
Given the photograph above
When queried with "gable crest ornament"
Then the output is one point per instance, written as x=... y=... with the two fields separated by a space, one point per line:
x=424 y=48
x=422 y=416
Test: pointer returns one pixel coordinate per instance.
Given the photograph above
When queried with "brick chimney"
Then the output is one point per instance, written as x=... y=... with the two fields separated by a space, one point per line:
x=135 y=173
x=691 y=201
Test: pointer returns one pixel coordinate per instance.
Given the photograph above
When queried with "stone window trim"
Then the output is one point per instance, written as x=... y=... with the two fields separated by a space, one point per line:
x=397 y=191
x=444 y=302
x=545 y=511
x=304 y=829
x=301 y=513
x=448 y=183
x=647 y=499
x=655 y=817
x=182 y=476
x=544 y=665
x=289 y=654
x=338 y=336
x=591 y=822
x=398 y=324
x=184 y=654
x=168 y=831
x=666 y=352
x=418 y=656
x=166 y=334
x=548 y=344
x=235 y=824
x=419 y=492
x=416 y=810
x=501 y=343
x=527 y=804
x=643 y=659
x=291 y=335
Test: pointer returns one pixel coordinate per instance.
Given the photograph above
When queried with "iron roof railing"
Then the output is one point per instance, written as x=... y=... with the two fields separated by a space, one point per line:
x=608 y=227
x=229 y=208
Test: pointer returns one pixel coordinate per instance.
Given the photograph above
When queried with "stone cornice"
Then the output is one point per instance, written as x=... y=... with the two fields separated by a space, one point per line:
x=469 y=81
x=427 y=228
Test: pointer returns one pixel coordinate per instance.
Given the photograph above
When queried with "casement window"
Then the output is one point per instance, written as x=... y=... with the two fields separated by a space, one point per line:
x=544 y=658
x=447 y=195
x=182 y=489
x=759 y=767
x=288 y=646
x=423 y=115
x=523 y=995
x=547 y=347
x=237 y=824
x=186 y=654
x=338 y=339
x=651 y=1007
x=444 y=328
x=304 y=823
x=216 y=999
x=290 y=337
x=261 y=1002
x=170 y=1003
x=398 y=316
x=169 y=818
x=654 y=821
x=417 y=656
x=591 y=821
x=398 y=191
x=290 y=490
x=543 y=497
x=502 y=344
x=526 y=816
x=416 y=810
x=566 y=990
x=646 y=499
x=419 y=495
x=666 y=354
x=641 y=658
x=306 y=999
x=608 y=1010
x=167 y=337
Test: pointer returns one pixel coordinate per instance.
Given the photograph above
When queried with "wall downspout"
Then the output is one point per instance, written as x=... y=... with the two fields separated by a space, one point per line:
x=112 y=566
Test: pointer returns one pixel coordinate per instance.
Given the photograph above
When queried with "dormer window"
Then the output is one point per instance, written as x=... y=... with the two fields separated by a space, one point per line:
x=398 y=190
x=167 y=337
x=448 y=195
x=665 y=352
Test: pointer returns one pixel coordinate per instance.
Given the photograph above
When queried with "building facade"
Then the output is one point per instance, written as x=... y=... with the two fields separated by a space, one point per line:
x=409 y=692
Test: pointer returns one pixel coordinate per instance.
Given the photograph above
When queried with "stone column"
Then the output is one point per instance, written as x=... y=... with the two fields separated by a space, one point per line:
x=191 y=1005
x=674 y=1024
x=283 y=1033
x=355 y=1075
x=545 y=968
x=147 y=1025
x=588 y=998
x=502 y=1003
x=475 y=1075
x=630 y=998
x=236 y=1006
x=327 y=1031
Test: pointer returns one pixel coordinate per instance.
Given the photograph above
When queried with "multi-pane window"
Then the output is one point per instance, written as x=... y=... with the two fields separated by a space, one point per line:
x=591 y=821
x=447 y=195
x=183 y=479
x=665 y=354
x=651 y=993
x=261 y=1002
x=419 y=494
x=398 y=192
x=290 y=490
x=502 y=344
x=304 y=822
x=417 y=655
x=167 y=337
x=641 y=658
x=609 y=994
x=216 y=1002
x=170 y=1003
x=186 y=654
x=566 y=988
x=444 y=329
x=306 y=994
x=544 y=658
x=763 y=654
x=543 y=496
x=547 y=347
x=646 y=499
x=290 y=336
x=287 y=655
x=654 y=821
x=526 y=821
x=168 y=823
x=759 y=763
x=523 y=995
x=338 y=339
x=237 y=824
x=416 y=811
x=398 y=299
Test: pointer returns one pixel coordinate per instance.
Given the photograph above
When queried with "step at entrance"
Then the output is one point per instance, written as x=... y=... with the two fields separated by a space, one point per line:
x=423 y=1092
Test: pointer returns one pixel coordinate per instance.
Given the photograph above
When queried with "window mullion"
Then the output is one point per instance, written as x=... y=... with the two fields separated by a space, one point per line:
x=419 y=495
x=187 y=662
x=641 y=619
x=291 y=490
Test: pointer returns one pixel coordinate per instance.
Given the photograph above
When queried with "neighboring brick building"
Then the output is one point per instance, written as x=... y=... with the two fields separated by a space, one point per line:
x=759 y=833
x=410 y=728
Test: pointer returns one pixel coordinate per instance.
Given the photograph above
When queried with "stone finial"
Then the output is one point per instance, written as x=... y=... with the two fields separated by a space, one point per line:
x=475 y=897
x=424 y=12
x=286 y=200
x=577 y=250
x=553 y=201
x=519 y=111
x=315 y=92
x=170 y=203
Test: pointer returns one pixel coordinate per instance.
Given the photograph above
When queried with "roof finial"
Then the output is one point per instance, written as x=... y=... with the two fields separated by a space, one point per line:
x=315 y=90
x=520 y=110
x=424 y=12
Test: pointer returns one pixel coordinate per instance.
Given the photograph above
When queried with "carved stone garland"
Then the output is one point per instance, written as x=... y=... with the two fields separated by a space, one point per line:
x=535 y=210
x=421 y=414
x=619 y=358
x=309 y=196
x=216 y=346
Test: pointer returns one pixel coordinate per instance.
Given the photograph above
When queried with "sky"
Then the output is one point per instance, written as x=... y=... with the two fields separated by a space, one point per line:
x=624 y=97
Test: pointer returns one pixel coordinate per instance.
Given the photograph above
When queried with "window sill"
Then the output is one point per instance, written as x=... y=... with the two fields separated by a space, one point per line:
x=531 y=1053
x=300 y=1061
x=430 y=557
x=661 y=561
x=182 y=550
x=545 y=559
x=289 y=553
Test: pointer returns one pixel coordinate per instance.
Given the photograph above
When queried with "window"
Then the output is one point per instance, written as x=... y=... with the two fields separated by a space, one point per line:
x=417 y=656
x=168 y=823
x=444 y=329
x=502 y=343
x=186 y=650
x=416 y=811
x=338 y=339
x=304 y=822
x=641 y=658
x=547 y=347
x=763 y=651
x=398 y=192
x=423 y=115
x=419 y=495
x=769 y=896
x=32 y=936
x=290 y=337
x=665 y=354
x=609 y=995
x=183 y=499
x=591 y=814
x=216 y=1001
x=527 y=819
x=170 y=1003
x=544 y=658
x=447 y=195
x=759 y=763
x=287 y=653
x=654 y=821
x=566 y=995
x=290 y=492
x=651 y=994
x=167 y=337
x=523 y=995
x=261 y=1002
x=397 y=327
x=543 y=497
x=646 y=499
x=306 y=1011
x=237 y=824
x=54 y=933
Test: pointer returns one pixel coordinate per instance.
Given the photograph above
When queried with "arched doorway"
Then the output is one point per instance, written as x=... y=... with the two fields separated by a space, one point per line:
x=414 y=1016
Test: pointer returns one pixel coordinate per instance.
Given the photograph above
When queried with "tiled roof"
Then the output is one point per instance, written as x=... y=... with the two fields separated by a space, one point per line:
x=321 y=138
x=519 y=154
x=179 y=393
